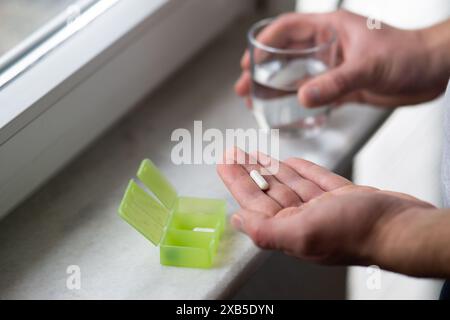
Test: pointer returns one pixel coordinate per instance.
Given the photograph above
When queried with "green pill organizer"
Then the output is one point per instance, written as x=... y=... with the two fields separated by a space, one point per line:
x=186 y=229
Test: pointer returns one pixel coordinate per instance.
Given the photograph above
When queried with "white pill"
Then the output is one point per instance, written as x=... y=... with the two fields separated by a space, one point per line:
x=198 y=229
x=259 y=180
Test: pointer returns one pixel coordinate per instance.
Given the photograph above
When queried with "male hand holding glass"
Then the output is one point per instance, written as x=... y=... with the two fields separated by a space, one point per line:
x=310 y=212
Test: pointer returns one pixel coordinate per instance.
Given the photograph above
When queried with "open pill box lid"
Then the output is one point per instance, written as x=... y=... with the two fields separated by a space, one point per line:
x=153 y=217
x=146 y=214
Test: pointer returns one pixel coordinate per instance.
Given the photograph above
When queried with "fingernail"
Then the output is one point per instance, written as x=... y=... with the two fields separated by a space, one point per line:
x=313 y=94
x=237 y=222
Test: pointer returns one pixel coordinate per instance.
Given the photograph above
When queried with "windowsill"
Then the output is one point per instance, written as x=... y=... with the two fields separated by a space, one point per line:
x=73 y=219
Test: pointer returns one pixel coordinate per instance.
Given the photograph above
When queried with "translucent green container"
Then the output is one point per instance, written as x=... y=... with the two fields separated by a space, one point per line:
x=187 y=229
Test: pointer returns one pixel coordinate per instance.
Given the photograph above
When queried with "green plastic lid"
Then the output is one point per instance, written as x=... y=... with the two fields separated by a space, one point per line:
x=154 y=180
x=144 y=213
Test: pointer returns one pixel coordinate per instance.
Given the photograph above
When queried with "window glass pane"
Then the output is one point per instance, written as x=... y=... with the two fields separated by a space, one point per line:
x=25 y=25
x=20 y=18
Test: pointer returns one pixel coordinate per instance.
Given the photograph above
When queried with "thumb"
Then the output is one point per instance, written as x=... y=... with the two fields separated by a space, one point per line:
x=332 y=85
x=265 y=230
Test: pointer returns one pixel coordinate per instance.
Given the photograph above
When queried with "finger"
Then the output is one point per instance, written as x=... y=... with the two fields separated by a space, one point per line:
x=290 y=232
x=324 y=178
x=304 y=188
x=245 y=191
x=245 y=60
x=243 y=84
x=278 y=191
x=288 y=28
x=352 y=188
x=332 y=85
x=275 y=34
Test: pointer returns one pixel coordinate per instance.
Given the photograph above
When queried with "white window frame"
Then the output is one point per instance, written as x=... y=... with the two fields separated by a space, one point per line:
x=54 y=109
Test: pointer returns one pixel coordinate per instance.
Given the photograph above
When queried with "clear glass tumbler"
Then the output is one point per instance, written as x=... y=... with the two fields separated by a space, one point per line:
x=279 y=71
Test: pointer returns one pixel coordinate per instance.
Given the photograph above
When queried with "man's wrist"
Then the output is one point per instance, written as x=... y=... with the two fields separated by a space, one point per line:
x=414 y=242
x=401 y=241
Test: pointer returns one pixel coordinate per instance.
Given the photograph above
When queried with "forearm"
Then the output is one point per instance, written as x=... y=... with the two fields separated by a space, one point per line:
x=416 y=242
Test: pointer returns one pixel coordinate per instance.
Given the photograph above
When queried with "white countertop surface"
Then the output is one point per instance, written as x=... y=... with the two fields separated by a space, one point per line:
x=73 y=219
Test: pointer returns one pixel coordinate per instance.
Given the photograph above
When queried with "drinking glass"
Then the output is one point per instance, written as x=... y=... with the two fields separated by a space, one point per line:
x=279 y=71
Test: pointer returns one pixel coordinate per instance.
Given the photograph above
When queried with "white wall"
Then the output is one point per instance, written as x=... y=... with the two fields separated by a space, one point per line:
x=399 y=13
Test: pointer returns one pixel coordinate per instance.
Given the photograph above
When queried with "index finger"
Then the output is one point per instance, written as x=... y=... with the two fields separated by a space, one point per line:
x=245 y=191
x=283 y=30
